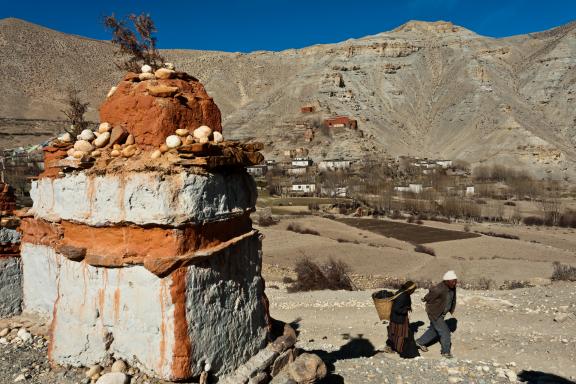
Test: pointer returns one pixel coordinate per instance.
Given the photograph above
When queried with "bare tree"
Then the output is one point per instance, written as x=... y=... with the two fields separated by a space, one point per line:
x=551 y=204
x=75 y=112
x=137 y=44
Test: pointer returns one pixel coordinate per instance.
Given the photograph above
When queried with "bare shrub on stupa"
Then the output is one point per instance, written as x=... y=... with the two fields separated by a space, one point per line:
x=137 y=44
x=74 y=112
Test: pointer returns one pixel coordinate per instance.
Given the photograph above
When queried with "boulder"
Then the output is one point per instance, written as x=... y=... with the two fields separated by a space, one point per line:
x=161 y=90
x=202 y=132
x=118 y=135
x=281 y=362
x=130 y=140
x=308 y=368
x=146 y=76
x=164 y=73
x=173 y=141
x=87 y=135
x=104 y=127
x=119 y=366
x=218 y=138
x=102 y=140
x=151 y=119
x=83 y=146
x=111 y=91
x=113 y=378
x=146 y=68
x=65 y=137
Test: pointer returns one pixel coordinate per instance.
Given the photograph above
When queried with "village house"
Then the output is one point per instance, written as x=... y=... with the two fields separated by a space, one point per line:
x=302 y=162
x=257 y=170
x=307 y=109
x=303 y=188
x=444 y=163
x=333 y=164
x=341 y=122
x=295 y=171
x=411 y=188
x=335 y=192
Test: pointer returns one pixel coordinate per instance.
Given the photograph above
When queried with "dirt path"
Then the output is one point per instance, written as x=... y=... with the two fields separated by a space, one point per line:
x=499 y=329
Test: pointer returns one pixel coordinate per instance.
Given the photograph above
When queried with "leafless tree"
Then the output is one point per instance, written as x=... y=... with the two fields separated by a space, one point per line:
x=550 y=204
x=75 y=110
x=137 y=43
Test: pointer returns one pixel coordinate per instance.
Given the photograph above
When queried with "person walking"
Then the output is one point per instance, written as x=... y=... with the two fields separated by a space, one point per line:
x=440 y=300
x=400 y=335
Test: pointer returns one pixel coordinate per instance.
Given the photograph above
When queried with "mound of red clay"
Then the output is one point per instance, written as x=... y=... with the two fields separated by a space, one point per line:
x=151 y=110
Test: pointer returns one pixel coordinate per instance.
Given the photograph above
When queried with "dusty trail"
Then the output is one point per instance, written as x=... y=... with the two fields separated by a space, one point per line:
x=498 y=329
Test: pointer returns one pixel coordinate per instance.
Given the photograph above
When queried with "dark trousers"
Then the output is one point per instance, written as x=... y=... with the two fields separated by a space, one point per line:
x=437 y=329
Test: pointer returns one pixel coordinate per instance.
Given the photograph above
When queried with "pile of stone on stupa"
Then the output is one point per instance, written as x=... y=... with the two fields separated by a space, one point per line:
x=153 y=115
x=139 y=243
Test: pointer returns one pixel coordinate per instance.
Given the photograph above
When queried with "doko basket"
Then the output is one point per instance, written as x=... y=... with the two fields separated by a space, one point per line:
x=383 y=301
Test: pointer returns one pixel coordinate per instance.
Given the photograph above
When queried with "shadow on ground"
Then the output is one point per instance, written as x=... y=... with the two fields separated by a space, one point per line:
x=452 y=326
x=355 y=347
x=537 y=377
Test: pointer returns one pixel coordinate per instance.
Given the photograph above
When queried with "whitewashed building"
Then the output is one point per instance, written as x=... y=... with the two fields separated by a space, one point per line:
x=302 y=162
x=335 y=192
x=304 y=188
x=257 y=170
x=411 y=188
x=334 y=164
x=296 y=171
x=444 y=163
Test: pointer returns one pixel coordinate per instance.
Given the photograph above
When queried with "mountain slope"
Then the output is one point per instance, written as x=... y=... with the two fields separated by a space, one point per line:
x=427 y=89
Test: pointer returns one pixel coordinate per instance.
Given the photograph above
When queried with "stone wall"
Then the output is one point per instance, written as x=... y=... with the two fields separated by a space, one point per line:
x=10 y=286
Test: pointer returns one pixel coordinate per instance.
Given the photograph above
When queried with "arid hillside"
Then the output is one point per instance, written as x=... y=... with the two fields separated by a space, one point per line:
x=427 y=89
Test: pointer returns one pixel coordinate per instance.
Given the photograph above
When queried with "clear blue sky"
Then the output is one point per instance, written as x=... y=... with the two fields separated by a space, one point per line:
x=248 y=25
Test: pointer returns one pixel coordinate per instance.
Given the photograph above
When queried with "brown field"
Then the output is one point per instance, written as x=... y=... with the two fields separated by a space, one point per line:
x=412 y=233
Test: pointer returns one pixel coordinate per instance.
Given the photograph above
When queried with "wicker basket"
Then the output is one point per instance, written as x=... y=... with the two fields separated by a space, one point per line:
x=383 y=301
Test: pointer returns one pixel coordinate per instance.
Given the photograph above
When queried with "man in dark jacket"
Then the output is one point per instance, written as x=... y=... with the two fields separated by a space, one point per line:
x=440 y=300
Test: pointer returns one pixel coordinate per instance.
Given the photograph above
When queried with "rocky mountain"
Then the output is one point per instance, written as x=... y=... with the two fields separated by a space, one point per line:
x=427 y=89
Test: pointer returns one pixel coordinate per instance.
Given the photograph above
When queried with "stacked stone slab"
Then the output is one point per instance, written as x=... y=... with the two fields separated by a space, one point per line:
x=10 y=271
x=145 y=259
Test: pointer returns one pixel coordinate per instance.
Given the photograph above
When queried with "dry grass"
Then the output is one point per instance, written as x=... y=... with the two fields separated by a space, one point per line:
x=424 y=249
x=563 y=272
x=304 y=231
x=501 y=235
x=311 y=276
x=264 y=217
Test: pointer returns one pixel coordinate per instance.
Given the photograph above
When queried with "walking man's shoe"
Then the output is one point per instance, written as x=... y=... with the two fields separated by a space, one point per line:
x=447 y=356
x=423 y=348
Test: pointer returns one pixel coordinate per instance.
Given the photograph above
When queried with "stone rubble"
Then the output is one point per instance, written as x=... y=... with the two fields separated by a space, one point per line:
x=10 y=261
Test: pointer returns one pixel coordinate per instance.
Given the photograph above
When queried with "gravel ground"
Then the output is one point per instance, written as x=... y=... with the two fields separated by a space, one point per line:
x=526 y=335
x=501 y=330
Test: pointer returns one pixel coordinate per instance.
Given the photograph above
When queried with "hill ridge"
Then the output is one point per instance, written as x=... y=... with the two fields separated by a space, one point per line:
x=425 y=88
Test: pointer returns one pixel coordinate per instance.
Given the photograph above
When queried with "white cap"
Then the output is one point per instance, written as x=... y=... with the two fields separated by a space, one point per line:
x=450 y=275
